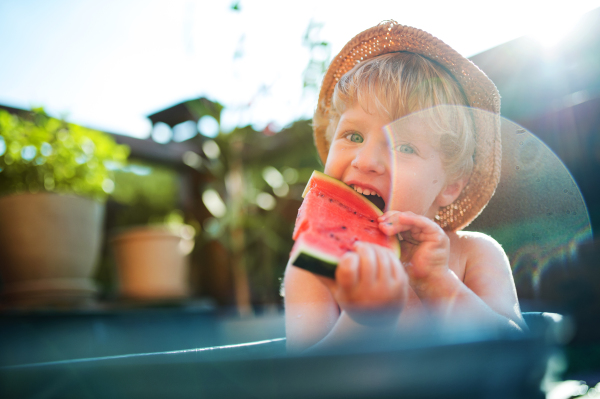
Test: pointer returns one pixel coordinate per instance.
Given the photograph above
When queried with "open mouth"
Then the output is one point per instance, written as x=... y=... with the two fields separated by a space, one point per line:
x=371 y=195
x=377 y=200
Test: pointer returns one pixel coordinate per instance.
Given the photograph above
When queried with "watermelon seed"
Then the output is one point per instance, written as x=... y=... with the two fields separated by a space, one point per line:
x=372 y=221
x=343 y=227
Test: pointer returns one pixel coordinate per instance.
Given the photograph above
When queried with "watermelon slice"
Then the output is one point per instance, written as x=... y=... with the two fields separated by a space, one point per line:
x=330 y=220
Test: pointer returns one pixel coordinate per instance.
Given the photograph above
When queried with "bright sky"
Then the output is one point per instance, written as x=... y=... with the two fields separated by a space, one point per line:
x=107 y=64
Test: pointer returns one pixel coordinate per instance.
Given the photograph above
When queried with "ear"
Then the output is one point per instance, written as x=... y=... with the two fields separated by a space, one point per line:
x=450 y=192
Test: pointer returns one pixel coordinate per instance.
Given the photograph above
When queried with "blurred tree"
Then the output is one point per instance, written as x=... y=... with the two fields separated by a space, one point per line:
x=253 y=196
x=251 y=189
x=40 y=153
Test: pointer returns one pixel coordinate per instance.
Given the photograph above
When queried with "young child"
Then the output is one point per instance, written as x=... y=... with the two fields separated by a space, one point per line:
x=434 y=179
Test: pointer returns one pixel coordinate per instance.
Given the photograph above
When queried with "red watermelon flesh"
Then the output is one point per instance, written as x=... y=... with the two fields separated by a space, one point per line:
x=330 y=220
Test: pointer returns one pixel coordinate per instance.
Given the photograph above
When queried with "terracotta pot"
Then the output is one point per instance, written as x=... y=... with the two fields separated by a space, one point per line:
x=152 y=263
x=49 y=248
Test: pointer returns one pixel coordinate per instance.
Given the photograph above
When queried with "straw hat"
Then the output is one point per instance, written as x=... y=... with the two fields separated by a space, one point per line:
x=479 y=90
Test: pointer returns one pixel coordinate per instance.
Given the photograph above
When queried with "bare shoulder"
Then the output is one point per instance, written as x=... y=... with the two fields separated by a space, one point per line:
x=473 y=247
x=487 y=273
x=486 y=267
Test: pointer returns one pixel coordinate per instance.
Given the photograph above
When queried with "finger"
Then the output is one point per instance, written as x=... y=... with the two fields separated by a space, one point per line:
x=392 y=260
x=384 y=266
x=396 y=268
x=346 y=274
x=407 y=236
x=393 y=226
x=388 y=216
x=367 y=270
x=389 y=223
x=420 y=227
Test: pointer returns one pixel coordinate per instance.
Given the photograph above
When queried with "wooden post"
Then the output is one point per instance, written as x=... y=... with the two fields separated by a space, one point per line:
x=234 y=182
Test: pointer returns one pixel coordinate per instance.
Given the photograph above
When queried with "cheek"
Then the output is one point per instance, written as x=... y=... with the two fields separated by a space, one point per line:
x=415 y=191
x=332 y=166
x=438 y=176
x=337 y=160
x=328 y=169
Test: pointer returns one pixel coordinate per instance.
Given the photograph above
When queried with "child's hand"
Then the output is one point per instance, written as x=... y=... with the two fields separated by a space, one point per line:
x=370 y=285
x=426 y=249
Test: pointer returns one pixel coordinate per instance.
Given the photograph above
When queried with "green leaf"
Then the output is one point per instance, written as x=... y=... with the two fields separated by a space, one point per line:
x=68 y=158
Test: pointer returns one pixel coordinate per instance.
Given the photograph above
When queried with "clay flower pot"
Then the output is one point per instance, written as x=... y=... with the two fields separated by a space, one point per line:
x=49 y=249
x=152 y=262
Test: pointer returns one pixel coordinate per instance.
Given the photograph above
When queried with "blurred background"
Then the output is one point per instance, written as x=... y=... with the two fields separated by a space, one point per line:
x=203 y=112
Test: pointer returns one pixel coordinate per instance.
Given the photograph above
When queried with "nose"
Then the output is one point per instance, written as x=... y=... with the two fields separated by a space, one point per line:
x=370 y=158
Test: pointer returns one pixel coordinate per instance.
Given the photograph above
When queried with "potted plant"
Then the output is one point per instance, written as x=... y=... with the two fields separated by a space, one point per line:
x=150 y=242
x=54 y=180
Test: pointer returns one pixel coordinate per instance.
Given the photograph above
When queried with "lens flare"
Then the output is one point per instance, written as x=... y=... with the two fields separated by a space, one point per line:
x=537 y=213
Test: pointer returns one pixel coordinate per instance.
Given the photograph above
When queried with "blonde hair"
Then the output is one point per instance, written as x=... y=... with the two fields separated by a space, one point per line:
x=402 y=83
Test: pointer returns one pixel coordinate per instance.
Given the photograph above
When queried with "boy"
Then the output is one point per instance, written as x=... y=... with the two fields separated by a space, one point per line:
x=432 y=171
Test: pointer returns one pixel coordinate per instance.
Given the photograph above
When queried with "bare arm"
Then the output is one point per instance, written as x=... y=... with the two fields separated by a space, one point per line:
x=310 y=310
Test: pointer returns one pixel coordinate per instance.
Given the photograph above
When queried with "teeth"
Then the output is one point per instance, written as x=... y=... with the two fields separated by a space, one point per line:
x=364 y=191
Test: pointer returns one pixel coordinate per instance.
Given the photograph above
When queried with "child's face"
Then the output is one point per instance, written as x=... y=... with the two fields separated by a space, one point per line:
x=409 y=177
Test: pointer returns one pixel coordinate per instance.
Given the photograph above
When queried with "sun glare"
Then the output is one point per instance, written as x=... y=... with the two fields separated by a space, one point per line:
x=554 y=24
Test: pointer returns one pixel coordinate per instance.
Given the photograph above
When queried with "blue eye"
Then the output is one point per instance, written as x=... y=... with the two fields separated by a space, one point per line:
x=405 y=149
x=355 y=138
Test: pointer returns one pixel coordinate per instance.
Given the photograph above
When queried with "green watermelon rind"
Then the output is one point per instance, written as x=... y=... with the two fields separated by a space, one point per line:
x=321 y=180
x=315 y=261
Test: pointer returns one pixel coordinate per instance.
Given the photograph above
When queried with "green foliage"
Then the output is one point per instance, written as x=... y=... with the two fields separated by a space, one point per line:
x=147 y=194
x=40 y=153
x=203 y=106
x=260 y=179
